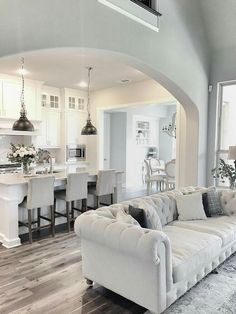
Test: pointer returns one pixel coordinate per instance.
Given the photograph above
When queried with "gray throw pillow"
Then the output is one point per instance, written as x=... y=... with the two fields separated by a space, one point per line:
x=214 y=204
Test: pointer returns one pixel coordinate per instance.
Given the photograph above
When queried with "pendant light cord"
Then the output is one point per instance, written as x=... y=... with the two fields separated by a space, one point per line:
x=88 y=95
x=22 y=97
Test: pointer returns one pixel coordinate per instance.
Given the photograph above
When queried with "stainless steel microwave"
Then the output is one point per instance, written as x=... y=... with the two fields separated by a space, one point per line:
x=75 y=152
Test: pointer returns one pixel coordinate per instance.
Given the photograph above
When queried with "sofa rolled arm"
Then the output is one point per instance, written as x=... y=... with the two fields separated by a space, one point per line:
x=144 y=244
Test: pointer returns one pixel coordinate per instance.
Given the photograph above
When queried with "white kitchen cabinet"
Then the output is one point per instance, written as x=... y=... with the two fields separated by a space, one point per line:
x=75 y=121
x=11 y=98
x=50 y=129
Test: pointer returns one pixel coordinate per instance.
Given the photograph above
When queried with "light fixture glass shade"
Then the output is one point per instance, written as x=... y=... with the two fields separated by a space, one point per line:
x=232 y=153
x=89 y=129
x=23 y=124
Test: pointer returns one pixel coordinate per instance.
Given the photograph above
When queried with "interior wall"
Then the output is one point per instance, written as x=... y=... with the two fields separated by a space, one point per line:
x=223 y=69
x=177 y=56
x=118 y=123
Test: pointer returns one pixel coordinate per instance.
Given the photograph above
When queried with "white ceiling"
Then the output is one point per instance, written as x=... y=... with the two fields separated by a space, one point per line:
x=220 y=22
x=66 y=68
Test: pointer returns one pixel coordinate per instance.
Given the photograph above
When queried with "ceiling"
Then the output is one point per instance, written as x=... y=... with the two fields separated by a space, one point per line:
x=220 y=22
x=67 y=68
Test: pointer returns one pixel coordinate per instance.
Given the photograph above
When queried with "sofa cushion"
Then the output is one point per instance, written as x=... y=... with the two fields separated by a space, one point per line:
x=191 y=251
x=122 y=216
x=221 y=226
x=138 y=215
x=214 y=203
x=190 y=207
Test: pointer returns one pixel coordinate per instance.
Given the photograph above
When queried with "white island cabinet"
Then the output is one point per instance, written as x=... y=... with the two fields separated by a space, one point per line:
x=13 y=189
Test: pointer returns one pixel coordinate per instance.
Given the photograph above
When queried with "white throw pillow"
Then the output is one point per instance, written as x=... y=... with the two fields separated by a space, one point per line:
x=124 y=217
x=190 y=207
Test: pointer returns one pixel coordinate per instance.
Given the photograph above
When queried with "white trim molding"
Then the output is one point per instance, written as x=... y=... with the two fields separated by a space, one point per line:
x=135 y=12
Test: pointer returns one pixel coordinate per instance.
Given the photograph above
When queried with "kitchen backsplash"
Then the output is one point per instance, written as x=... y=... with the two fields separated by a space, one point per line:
x=5 y=144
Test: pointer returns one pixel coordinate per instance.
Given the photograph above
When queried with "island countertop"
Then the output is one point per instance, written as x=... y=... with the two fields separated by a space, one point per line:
x=13 y=189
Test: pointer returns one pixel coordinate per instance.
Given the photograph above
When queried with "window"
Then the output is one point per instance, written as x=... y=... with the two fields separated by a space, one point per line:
x=54 y=102
x=44 y=100
x=71 y=102
x=227 y=122
x=81 y=103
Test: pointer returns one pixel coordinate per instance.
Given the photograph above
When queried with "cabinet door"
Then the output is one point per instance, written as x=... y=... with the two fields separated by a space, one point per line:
x=53 y=128
x=72 y=128
x=75 y=122
x=11 y=94
x=41 y=140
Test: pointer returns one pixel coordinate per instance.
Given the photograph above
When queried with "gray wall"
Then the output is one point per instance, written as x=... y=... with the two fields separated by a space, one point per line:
x=118 y=141
x=177 y=56
x=165 y=141
x=223 y=69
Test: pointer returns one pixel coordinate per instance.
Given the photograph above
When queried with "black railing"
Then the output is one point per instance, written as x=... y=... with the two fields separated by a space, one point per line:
x=147 y=5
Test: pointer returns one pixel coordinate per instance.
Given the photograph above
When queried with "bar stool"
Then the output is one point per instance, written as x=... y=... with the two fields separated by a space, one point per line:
x=76 y=189
x=104 y=186
x=40 y=194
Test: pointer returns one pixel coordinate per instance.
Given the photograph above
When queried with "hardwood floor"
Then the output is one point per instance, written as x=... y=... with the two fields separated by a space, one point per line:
x=46 y=277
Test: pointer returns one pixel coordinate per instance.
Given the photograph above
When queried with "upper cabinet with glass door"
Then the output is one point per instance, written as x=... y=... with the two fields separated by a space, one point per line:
x=76 y=103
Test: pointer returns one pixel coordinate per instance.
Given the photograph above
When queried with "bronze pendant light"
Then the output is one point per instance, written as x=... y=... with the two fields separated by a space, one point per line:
x=23 y=124
x=89 y=129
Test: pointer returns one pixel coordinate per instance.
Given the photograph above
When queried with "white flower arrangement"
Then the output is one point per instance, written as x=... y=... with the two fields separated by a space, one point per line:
x=22 y=154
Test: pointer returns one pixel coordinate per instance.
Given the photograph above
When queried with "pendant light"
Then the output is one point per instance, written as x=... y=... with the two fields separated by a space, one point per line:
x=89 y=129
x=23 y=124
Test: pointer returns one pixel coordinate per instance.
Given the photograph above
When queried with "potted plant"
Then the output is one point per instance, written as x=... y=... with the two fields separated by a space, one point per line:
x=225 y=171
x=22 y=154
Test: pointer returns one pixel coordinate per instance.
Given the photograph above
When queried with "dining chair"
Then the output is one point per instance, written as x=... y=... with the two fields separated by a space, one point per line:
x=40 y=194
x=151 y=178
x=170 y=175
x=104 y=186
x=76 y=189
x=156 y=165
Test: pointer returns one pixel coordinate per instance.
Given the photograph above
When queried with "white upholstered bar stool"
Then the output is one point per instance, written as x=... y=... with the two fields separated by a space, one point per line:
x=76 y=189
x=104 y=186
x=40 y=194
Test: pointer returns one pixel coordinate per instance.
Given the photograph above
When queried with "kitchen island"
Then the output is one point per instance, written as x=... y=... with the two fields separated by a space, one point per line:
x=13 y=189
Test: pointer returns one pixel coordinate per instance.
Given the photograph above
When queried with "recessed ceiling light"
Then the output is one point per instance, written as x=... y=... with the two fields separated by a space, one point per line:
x=83 y=84
x=22 y=71
x=125 y=81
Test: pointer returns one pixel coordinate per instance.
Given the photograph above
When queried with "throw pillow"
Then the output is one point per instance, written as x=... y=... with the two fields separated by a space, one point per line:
x=151 y=216
x=205 y=204
x=138 y=215
x=190 y=207
x=124 y=217
x=214 y=202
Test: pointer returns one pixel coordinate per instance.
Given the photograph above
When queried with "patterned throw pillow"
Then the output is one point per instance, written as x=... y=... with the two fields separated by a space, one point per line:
x=214 y=204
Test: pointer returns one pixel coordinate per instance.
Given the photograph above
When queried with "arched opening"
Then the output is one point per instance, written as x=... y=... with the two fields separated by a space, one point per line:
x=187 y=122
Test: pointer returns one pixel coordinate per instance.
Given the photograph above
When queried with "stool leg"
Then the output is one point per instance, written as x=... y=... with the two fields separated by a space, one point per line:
x=98 y=201
x=68 y=206
x=38 y=218
x=72 y=211
x=112 y=199
x=85 y=204
x=52 y=209
x=30 y=225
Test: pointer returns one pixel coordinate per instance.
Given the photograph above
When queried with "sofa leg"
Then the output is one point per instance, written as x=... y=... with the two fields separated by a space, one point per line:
x=89 y=282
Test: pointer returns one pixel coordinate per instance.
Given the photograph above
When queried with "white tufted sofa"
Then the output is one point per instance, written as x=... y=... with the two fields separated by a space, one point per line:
x=154 y=268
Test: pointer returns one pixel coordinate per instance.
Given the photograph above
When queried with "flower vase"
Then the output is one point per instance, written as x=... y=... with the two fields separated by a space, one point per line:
x=233 y=185
x=25 y=168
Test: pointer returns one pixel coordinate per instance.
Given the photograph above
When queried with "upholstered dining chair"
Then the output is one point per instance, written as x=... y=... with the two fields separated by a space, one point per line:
x=40 y=194
x=170 y=175
x=156 y=165
x=104 y=186
x=76 y=189
x=152 y=178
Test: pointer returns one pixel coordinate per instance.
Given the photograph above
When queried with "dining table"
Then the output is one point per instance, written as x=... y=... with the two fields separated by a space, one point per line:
x=13 y=189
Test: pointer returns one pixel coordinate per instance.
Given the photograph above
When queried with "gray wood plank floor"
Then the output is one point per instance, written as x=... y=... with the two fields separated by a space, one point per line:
x=46 y=277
